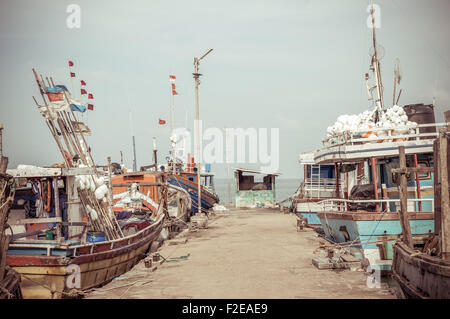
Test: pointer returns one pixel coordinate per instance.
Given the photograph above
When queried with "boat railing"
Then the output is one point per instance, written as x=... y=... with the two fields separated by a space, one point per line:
x=341 y=204
x=384 y=134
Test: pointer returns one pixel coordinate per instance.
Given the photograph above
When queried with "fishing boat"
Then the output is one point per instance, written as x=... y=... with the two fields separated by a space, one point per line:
x=423 y=270
x=364 y=150
x=139 y=192
x=186 y=178
x=9 y=278
x=66 y=236
x=319 y=183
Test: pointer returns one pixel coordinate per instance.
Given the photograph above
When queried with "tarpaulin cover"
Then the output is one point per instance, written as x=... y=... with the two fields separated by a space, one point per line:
x=362 y=192
x=78 y=108
x=55 y=89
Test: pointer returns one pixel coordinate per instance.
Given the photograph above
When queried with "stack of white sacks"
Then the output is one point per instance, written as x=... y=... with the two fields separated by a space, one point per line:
x=101 y=192
x=393 y=119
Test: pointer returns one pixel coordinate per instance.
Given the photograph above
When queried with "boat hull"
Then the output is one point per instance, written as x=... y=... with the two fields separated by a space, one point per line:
x=309 y=208
x=208 y=199
x=46 y=277
x=419 y=275
x=373 y=233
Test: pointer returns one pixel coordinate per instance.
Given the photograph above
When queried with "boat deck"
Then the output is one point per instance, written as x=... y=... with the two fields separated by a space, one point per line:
x=242 y=254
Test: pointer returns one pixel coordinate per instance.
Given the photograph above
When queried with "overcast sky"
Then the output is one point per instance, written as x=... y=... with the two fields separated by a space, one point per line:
x=293 y=65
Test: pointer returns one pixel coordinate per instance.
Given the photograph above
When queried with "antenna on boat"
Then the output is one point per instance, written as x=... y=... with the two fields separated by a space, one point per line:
x=397 y=79
x=197 y=128
x=375 y=67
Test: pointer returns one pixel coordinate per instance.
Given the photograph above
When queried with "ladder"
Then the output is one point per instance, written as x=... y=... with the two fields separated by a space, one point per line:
x=314 y=181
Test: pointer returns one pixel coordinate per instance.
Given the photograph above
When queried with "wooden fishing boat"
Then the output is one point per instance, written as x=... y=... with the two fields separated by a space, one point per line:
x=48 y=266
x=365 y=218
x=423 y=271
x=66 y=237
x=9 y=278
x=188 y=181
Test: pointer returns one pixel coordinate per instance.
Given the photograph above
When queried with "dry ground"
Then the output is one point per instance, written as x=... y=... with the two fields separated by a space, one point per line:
x=242 y=254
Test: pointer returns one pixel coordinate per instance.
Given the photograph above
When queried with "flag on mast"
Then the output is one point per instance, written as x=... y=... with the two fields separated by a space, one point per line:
x=70 y=63
x=172 y=79
x=162 y=122
x=83 y=91
x=83 y=83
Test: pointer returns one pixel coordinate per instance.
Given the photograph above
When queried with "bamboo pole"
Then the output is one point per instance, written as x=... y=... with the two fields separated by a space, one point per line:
x=403 y=190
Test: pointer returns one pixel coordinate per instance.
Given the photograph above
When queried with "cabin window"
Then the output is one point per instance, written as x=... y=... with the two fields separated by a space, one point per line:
x=191 y=178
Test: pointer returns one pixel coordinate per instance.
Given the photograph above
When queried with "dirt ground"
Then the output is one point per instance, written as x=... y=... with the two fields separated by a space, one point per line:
x=242 y=254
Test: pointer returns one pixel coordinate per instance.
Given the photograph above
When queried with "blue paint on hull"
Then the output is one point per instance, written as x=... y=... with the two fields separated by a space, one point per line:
x=312 y=218
x=345 y=230
x=207 y=203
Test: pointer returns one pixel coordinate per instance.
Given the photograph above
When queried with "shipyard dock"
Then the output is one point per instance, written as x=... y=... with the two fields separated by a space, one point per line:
x=241 y=254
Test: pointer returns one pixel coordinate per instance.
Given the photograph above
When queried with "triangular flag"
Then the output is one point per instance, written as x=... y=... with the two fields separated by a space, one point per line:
x=70 y=63
x=72 y=75
x=83 y=83
x=90 y=96
x=91 y=107
x=162 y=122
x=83 y=91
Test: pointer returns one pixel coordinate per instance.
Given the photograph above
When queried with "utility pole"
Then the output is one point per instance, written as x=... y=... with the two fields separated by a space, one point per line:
x=197 y=119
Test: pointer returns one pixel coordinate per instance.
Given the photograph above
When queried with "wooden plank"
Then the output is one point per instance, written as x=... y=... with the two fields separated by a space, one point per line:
x=26 y=221
x=437 y=189
x=445 y=206
x=413 y=170
x=403 y=190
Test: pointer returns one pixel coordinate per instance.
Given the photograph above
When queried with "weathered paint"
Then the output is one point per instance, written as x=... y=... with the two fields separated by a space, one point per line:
x=369 y=227
x=107 y=261
x=251 y=198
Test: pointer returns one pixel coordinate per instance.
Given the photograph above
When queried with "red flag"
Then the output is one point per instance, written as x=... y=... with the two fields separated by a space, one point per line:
x=172 y=77
x=70 y=63
x=90 y=96
x=91 y=107
x=162 y=122
x=173 y=86
x=83 y=83
x=83 y=91
x=72 y=75
x=174 y=92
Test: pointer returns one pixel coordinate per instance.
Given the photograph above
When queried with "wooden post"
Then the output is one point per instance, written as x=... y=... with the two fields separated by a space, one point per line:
x=1 y=140
x=403 y=190
x=416 y=164
x=57 y=210
x=445 y=203
x=110 y=179
x=375 y=183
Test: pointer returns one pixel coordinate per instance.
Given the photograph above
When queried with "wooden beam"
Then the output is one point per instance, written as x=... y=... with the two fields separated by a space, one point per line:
x=412 y=170
x=445 y=209
x=375 y=183
x=25 y=221
x=403 y=190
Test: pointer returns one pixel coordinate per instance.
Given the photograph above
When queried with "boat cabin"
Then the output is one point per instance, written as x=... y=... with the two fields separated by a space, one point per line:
x=254 y=188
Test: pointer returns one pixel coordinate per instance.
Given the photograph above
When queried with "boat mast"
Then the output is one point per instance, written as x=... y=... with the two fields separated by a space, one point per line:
x=376 y=69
